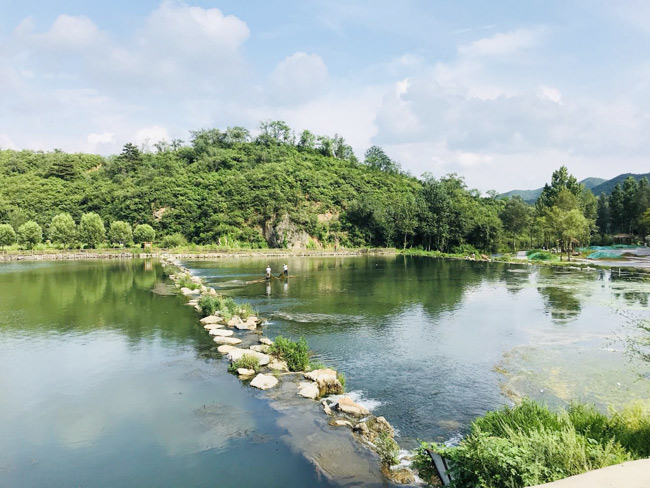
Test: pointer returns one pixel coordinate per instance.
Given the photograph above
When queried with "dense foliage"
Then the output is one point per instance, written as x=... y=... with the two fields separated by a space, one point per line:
x=295 y=353
x=626 y=210
x=228 y=188
x=529 y=444
x=225 y=187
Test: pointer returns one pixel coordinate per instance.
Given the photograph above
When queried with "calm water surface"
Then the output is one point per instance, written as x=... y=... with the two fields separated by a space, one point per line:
x=431 y=344
x=105 y=383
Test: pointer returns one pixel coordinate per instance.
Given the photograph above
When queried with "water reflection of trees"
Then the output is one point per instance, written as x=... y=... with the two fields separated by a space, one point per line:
x=88 y=296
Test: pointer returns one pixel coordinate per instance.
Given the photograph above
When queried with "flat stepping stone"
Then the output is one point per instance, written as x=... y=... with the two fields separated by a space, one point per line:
x=213 y=326
x=266 y=341
x=236 y=354
x=221 y=332
x=212 y=319
x=232 y=341
x=264 y=381
x=308 y=389
x=225 y=348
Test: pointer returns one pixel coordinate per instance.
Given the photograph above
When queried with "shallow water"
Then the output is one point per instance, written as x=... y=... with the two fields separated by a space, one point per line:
x=431 y=344
x=105 y=383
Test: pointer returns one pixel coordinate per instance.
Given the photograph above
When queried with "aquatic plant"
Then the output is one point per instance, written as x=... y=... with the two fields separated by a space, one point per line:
x=246 y=361
x=529 y=444
x=295 y=353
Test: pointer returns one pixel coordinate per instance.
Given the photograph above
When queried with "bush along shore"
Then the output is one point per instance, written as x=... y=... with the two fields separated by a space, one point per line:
x=264 y=364
x=529 y=444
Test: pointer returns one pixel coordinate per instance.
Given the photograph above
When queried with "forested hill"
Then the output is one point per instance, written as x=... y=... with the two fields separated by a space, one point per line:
x=531 y=196
x=274 y=190
x=607 y=186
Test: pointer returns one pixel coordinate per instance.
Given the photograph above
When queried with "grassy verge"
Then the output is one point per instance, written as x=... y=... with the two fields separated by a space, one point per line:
x=529 y=444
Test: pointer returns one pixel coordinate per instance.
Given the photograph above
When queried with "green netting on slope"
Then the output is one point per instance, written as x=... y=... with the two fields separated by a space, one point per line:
x=604 y=255
x=540 y=255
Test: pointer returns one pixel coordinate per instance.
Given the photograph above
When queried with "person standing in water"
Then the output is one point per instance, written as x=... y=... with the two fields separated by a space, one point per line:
x=286 y=270
x=268 y=271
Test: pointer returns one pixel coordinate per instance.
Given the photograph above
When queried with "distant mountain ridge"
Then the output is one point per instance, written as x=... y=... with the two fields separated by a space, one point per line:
x=596 y=185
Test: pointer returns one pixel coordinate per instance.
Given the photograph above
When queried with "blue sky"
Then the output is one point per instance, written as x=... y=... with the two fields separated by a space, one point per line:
x=502 y=92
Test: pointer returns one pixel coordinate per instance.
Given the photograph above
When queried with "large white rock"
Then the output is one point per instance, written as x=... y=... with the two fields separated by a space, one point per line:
x=264 y=381
x=308 y=389
x=260 y=348
x=249 y=324
x=327 y=381
x=221 y=332
x=278 y=365
x=234 y=321
x=225 y=348
x=346 y=405
x=212 y=319
x=187 y=292
x=233 y=341
x=236 y=354
x=266 y=341
x=245 y=372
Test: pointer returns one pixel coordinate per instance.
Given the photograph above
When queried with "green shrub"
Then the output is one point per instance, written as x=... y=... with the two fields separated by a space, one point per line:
x=209 y=304
x=173 y=240
x=120 y=233
x=185 y=281
x=246 y=310
x=29 y=234
x=91 y=229
x=63 y=229
x=246 y=361
x=528 y=445
x=295 y=354
x=144 y=233
x=387 y=449
x=7 y=235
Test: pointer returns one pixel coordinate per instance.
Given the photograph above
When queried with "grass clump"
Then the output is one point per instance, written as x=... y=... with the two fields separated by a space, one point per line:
x=295 y=353
x=225 y=306
x=246 y=361
x=387 y=449
x=341 y=377
x=246 y=310
x=185 y=281
x=209 y=304
x=529 y=444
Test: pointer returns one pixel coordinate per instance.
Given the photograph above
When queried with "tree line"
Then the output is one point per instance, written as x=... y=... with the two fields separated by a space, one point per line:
x=228 y=187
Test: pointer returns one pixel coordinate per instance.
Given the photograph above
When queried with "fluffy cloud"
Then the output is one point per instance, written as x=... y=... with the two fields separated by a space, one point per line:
x=298 y=78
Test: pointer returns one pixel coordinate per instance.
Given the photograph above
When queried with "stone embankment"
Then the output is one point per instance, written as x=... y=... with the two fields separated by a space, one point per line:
x=265 y=370
x=55 y=255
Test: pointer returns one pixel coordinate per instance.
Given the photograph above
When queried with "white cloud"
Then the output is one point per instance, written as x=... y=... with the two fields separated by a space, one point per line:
x=147 y=136
x=66 y=34
x=6 y=142
x=298 y=78
x=503 y=44
x=101 y=138
x=549 y=93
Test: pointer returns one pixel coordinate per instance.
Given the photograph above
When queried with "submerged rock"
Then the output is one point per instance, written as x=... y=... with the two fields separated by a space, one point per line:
x=308 y=389
x=227 y=340
x=347 y=406
x=328 y=383
x=264 y=381
x=221 y=332
x=236 y=354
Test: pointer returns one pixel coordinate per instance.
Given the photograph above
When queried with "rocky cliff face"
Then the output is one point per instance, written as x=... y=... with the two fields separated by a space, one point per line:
x=285 y=233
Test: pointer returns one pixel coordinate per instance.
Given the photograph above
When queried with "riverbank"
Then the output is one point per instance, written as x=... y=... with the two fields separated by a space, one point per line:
x=66 y=255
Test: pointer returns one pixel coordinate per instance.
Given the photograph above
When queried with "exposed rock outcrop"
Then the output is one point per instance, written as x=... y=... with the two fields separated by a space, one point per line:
x=347 y=406
x=308 y=389
x=327 y=381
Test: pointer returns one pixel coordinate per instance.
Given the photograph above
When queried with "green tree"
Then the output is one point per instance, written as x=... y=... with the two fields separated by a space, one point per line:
x=307 y=140
x=144 y=233
x=561 y=179
x=616 y=209
x=630 y=204
x=376 y=158
x=30 y=234
x=7 y=235
x=515 y=216
x=603 y=219
x=120 y=233
x=91 y=230
x=63 y=229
